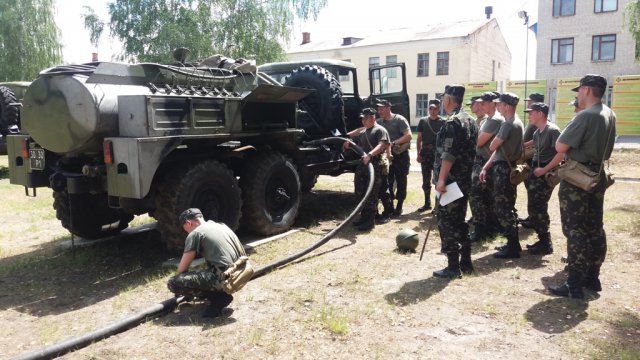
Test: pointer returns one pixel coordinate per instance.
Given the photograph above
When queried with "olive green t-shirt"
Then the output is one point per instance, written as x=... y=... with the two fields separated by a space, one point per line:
x=491 y=126
x=511 y=133
x=371 y=137
x=545 y=143
x=528 y=132
x=396 y=126
x=588 y=132
x=216 y=243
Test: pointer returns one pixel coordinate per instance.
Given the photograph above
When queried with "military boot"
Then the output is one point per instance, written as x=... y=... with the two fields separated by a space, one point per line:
x=543 y=246
x=466 y=266
x=217 y=302
x=571 y=289
x=512 y=249
x=427 y=203
x=367 y=225
x=452 y=271
x=592 y=279
x=479 y=233
x=398 y=210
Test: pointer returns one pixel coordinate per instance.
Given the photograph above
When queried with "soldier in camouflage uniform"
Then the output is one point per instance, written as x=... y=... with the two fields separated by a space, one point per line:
x=538 y=191
x=373 y=139
x=455 y=144
x=587 y=139
x=426 y=144
x=481 y=196
x=399 y=133
x=527 y=138
x=220 y=247
x=507 y=149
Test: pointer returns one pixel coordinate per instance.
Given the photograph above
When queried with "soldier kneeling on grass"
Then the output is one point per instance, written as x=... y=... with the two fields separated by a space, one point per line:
x=220 y=247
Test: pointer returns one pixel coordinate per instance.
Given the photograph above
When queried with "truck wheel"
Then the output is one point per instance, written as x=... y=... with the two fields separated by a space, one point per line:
x=209 y=186
x=324 y=107
x=9 y=115
x=270 y=193
x=88 y=215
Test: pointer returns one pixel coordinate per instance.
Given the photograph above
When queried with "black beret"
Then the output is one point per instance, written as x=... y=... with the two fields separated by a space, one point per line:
x=189 y=214
x=508 y=98
x=592 y=80
x=538 y=107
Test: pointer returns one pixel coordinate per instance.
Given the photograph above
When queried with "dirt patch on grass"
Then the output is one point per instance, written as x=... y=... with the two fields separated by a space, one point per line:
x=355 y=297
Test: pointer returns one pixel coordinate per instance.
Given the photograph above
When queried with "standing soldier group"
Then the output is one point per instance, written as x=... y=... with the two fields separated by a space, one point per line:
x=478 y=155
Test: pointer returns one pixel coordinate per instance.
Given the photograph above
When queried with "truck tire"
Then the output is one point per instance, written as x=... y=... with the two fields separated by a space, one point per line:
x=9 y=115
x=209 y=186
x=89 y=216
x=270 y=194
x=325 y=107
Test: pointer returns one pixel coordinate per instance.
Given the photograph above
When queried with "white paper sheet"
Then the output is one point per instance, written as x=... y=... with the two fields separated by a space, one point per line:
x=453 y=193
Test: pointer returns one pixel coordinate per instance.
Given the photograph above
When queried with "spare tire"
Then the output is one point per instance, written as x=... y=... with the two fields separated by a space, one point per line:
x=324 y=109
x=9 y=114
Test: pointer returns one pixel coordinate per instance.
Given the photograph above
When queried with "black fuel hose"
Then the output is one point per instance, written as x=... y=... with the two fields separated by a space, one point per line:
x=76 y=343
x=73 y=344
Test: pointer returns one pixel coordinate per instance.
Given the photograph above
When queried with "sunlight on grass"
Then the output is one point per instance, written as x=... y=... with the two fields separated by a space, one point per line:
x=333 y=321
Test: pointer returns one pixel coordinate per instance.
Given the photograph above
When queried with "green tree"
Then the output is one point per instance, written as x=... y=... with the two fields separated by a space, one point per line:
x=632 y=20
x=29 y=38
x=151 y=29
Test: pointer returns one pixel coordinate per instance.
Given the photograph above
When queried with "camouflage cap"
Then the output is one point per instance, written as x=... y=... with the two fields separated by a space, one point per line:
x=189 y=214
x=367 y=112
x=488 y=96
x=538 y=107
x=508 y=98
x=473 y=99
x=434 y=103
x=454 y=90
x=536 y=98
x=592 y=80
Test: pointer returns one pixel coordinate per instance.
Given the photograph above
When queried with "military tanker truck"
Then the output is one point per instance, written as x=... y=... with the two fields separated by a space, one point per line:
x=116 y=140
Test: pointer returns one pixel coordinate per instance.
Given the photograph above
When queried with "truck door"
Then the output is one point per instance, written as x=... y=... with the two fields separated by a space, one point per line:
x=389 y=82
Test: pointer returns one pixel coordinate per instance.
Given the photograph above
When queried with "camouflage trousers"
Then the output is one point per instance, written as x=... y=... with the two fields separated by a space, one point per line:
x=538 y=195
x=196 y=283
x=480 y=196
x=361 y=180
x=428 y=156
x=581 y=213
x=454 y=231
x=398 y=172
x=504 y=195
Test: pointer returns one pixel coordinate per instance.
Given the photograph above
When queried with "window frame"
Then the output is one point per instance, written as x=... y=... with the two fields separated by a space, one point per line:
x=425 y=65
x=600 y=37
x=372 y=64
x=442 y=64
x=557 y=62
x=560 y=3
x=391 y=72
x=595 y=7
x=422 y=99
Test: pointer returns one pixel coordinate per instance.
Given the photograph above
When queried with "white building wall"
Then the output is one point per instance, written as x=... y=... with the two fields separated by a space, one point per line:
x=582 y=27
x=490 y=58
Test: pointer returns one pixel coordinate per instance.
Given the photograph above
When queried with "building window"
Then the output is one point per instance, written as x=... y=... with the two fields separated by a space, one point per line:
x=422 y=104
x=423 y=64
x=392 y=59
x=442 y=64
x=605 y=5
x=562 y=51
x=603 y=48
x=374 y=61
x=564 y=7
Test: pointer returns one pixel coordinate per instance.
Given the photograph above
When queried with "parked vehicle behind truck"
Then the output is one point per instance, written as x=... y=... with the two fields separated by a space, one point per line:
x=11 y=94
x=117 y=140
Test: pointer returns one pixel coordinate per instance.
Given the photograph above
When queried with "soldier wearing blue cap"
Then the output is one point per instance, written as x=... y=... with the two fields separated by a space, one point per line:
x=219 y=246
x=428 y=128
x=456 y=148
x=507 y=149
x=587 y=139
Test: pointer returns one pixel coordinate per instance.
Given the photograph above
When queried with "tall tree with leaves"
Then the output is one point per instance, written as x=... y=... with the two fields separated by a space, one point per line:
x=151 y=29
x=632 y=20
x=29 y=38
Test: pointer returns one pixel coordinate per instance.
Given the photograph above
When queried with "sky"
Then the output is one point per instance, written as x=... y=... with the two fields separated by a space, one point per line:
x=341 y=18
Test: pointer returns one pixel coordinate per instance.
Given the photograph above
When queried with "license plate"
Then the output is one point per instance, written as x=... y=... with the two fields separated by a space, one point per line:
x=36 y=159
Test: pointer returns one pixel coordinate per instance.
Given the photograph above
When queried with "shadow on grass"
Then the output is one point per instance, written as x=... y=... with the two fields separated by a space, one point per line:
x=54 y=280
